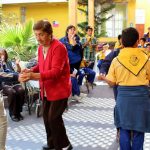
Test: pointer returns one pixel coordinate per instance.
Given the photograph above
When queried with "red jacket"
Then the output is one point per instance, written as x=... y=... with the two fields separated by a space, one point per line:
x=54 y=71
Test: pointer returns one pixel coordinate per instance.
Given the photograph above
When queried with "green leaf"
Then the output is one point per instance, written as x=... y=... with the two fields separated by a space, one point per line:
x=18 y=38
x=27 y=33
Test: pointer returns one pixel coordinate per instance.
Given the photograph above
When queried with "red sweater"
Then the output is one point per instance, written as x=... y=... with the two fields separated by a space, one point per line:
x=54 y=71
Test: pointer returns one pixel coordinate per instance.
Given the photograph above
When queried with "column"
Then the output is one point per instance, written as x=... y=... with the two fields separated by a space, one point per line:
x=73 y=12
x=91 y=13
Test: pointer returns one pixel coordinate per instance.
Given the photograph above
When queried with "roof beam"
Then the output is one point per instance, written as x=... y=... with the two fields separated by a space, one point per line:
x=29 y=1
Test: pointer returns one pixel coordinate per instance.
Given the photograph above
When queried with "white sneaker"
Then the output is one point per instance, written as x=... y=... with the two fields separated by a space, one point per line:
x=83 y=95
x=76 y=97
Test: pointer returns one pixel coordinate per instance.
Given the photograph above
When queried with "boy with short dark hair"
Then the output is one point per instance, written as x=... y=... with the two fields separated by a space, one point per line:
x=89 y=44
x=130 y=70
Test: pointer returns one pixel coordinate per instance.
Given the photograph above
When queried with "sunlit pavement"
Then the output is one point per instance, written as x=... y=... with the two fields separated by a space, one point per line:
x=89 y=125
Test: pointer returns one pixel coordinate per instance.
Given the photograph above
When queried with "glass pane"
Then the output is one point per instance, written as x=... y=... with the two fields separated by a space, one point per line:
x=115 y=25
x=109 y=32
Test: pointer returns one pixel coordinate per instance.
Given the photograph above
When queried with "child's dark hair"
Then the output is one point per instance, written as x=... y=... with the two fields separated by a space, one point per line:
x=88 y=27
x=129 y=37
x=105 y=44
x=148 y=44
x=119 y=36
x=143 y=39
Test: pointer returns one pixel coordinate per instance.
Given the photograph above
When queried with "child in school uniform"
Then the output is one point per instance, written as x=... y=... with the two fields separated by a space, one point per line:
x=130 y=70
x=103 y=54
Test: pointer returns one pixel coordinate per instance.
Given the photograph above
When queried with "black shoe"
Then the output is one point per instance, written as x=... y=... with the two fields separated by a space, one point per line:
x=14 y=118
x=20 y=117
x=46 y=147
x=70 y=147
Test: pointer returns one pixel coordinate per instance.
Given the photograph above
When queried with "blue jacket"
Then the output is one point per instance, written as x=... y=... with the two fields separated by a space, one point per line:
x=8 y=77
x=107 y=61
x=74 y=52
x=7 y=74
x=146 y=36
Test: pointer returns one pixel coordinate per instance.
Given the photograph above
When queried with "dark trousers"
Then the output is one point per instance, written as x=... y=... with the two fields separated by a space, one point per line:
x=131 y=143
x=16 y=96
x=90 y=75
x=91 y=65
x=54 y=125
x=75 y=86
x=99 y=63
x=74 y=66
x=115 y=92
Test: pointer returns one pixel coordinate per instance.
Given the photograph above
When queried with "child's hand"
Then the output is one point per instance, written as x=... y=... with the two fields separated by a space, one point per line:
x=101 y=77
x=72 y=75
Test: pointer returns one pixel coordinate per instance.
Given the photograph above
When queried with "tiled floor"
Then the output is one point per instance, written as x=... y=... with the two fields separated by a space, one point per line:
x=89 y=125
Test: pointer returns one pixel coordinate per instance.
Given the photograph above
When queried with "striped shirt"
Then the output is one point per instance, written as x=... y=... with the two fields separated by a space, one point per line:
x=89 y=52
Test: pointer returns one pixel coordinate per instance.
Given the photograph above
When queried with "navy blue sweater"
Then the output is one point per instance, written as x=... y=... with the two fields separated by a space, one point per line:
x=107 y=61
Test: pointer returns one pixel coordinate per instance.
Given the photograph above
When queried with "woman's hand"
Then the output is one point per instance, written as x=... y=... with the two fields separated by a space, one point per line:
x=72 y=39
x=26 y=70
x=23 y=77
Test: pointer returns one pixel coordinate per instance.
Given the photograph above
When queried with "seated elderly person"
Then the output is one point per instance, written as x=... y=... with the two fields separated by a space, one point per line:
x=14 y=91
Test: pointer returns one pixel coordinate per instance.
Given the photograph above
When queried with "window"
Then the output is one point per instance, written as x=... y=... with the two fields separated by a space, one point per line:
x=117 y=23
x=23 y=14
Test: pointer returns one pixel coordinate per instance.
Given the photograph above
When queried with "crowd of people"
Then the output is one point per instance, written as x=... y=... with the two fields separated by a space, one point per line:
x=58 y=64
x=61 y=67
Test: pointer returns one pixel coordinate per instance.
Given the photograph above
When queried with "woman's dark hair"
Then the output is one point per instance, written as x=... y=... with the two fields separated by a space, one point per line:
x=5 y=54
x=69 y=27
x=43 y=25
x=129 y=37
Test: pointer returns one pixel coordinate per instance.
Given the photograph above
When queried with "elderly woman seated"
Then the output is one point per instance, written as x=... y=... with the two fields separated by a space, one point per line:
x=14 y=91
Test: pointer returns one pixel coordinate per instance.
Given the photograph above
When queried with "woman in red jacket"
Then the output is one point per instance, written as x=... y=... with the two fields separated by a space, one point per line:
x=53 y=73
